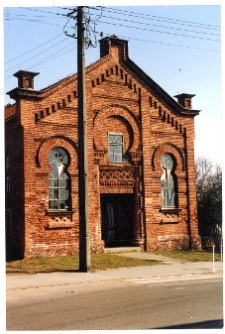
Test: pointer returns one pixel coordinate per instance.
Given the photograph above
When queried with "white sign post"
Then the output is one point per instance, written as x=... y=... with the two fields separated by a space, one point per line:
x=213 y=268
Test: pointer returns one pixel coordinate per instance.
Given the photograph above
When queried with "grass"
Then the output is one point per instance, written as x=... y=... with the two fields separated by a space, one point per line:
x=101 y=261
x=189 y=255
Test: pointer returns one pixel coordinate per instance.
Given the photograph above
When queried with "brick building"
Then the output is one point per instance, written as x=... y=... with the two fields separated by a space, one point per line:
x=141 y=171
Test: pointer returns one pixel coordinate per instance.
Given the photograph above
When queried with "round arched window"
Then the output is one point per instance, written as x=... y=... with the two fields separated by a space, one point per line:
x=58 y=180
x=168 y=182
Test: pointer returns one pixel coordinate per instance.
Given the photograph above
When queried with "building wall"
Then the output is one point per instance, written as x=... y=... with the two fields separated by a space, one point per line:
x=52 y=233
x=14 y=186
x=117 y=100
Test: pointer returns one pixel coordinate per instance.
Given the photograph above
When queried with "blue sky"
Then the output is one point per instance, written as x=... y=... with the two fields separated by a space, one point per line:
x=178 y=46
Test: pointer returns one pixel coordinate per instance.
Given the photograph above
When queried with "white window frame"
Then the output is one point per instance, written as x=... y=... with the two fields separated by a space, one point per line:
x=115 y=156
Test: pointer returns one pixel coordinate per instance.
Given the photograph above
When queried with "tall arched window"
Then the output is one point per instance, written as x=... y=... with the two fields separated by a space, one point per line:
x=168 y=182
x=58 y=180
x=7 y=174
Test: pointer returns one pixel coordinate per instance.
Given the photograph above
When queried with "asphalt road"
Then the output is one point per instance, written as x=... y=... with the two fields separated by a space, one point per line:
x=117 y=305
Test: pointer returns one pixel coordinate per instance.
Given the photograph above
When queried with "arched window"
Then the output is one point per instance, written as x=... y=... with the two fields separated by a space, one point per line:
x=168 y=182
x=7 y=175
x=58 y=180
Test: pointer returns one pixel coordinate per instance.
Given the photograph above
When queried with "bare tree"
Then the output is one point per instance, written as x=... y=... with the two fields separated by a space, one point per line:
x=209 y=196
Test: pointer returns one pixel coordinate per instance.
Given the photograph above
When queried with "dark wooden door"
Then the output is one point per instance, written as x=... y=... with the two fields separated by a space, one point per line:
x=117 y=219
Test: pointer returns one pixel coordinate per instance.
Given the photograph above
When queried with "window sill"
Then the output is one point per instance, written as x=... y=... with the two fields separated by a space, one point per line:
x=59 y=212
x=170 y=221
x=60 y=225
x=59 y=219
x=170 y=215
x=170 y=210
x=116 y=163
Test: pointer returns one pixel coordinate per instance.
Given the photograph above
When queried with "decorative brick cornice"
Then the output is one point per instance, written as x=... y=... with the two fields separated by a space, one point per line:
x=116 y=177
x=21 y=93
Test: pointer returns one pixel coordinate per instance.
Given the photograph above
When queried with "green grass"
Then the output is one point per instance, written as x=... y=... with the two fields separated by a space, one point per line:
x=189 y=255
x=102 y=261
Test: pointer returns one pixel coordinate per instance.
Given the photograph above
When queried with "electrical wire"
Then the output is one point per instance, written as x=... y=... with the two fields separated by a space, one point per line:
x=42 y=11
x=144 y=29
x=161 y=32
x=99 y=20
x=164 y=19
x=164 y=27
x=37 y=47
x=25 y=61
x=135 y=22
x=35 y=21
x=169 y=44
x=50 y=57
x=135 y=14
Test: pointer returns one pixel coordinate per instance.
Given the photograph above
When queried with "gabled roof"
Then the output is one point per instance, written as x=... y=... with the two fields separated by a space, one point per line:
x=159 y=90
x=105 y=44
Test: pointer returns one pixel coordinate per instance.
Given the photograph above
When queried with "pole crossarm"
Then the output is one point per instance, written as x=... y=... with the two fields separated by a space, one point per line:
x=90 y=39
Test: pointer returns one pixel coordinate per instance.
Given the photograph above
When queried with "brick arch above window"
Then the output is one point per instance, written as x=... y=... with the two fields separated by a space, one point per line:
x=171 y=149
x=119 y=112
x=52 y=142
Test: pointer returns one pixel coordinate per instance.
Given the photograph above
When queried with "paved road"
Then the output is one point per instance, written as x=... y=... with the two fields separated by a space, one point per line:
x=132 y=303
x=172 y=294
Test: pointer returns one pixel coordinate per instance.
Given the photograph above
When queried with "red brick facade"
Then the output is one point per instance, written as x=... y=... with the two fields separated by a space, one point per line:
x=125 y=197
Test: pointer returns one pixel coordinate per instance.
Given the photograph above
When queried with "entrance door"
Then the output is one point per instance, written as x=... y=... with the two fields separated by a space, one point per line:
x=117 y=219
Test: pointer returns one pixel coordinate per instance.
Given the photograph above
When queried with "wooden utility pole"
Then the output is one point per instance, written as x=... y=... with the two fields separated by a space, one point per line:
x=84 y=247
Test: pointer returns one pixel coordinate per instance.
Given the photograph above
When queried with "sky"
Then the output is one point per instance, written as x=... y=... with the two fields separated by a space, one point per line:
x=178 y=46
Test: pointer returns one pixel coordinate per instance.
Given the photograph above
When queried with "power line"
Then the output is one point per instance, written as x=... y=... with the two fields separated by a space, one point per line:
x=35 y=21
x=18 y=16
x=49 y=58
x=134 y=14
x=42 y=11
x=144 y=29
x=52 y=57
x=35 y=56
x=165 y=19
x=161 y=32
x=108 y=23
x=37 y=47
x=169 y=44
x=165 y=27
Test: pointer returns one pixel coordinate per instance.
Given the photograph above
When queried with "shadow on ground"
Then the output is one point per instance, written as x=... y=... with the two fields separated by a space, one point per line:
x=197 y=325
